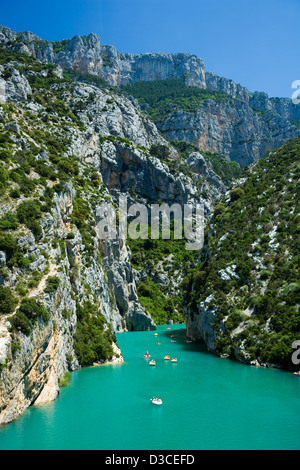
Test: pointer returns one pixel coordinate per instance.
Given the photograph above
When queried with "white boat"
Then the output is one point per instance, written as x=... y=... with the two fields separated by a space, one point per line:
x=156 y=401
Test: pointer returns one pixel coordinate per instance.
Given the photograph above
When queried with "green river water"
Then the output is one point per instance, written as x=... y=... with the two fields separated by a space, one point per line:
x=208 y=404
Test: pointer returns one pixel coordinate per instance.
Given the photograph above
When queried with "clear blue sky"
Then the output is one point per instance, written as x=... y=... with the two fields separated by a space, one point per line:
x=253 y=42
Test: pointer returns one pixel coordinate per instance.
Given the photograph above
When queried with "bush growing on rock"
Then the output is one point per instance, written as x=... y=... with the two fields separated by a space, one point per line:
x=33 y=310
x=236 y=194
x=8 y=301
x=52 y=284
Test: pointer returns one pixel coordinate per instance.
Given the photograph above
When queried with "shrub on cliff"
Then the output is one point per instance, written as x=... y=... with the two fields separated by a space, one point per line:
x=52 y=284
x=29 y=213
x=33 y=310
x=8 y=301
x=94 y=337
x=25 y=318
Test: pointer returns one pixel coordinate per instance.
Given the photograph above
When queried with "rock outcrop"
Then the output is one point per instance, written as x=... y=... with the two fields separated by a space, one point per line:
x=230 y=128
x=242 y=129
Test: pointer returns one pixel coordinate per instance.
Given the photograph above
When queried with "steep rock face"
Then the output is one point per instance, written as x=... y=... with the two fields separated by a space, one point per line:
x=261 y=103
x=199 y=165
x=159 y=66
x=115 y=116
x=86 y=55
x=124 y=169
x=230 y=127
x=16 y=88
x=217 y=83
x=82 y=54
x=33 y=372
x=200 y=327
x=242 y=129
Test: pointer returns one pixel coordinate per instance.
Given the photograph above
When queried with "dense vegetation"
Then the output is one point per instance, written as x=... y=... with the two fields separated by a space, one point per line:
x=94 y=337
x=251 y=269
x=167 y=260
x=160 y=98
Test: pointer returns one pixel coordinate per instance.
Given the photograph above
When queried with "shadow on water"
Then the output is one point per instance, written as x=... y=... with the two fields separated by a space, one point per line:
x=180 y=336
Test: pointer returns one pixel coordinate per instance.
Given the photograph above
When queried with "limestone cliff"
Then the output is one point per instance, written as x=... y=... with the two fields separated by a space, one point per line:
x=231 y=128
x=242 y=129
x=66 y=148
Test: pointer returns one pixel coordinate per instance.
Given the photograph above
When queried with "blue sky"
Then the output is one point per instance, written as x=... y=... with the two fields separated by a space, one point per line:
x=253 y=42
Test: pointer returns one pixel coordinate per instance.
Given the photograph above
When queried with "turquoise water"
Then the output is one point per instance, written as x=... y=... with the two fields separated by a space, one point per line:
x=208 y=403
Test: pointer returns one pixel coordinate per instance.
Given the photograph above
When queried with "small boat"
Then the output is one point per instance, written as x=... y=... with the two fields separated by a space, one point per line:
x=173 y=341
x=297 y=373
x=158 y=342
x=146 y=356
x=152 y=363
x=167 y=358
x=156 y=401
x=189 y=341
x=155 y=334
x=173 y=359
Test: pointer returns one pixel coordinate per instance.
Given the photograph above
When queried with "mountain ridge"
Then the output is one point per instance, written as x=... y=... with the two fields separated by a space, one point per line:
x=216 y=127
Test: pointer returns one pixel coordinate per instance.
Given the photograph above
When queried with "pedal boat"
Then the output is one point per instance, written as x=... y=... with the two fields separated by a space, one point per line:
x=156 y=401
